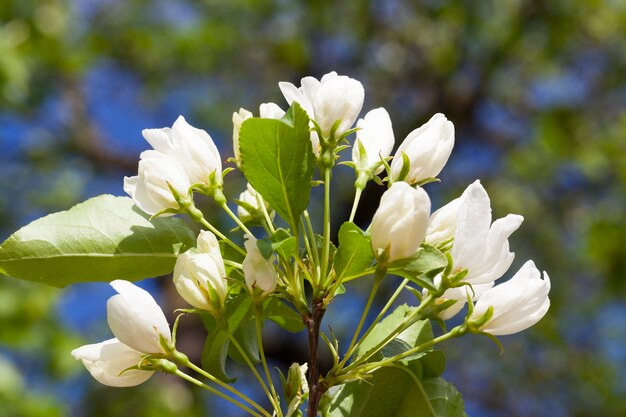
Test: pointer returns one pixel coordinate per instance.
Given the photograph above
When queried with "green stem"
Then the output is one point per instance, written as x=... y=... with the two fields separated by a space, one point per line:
x=369 y=367
x=326 y=236
x=197 y=216
x=378 y=277
x=212 y=390
x=309 y=228
x=268 y=376
x=233 y=264
x=355 y=204
x=254 y=371
x=405 y=325
x=383 y=311
x=266 y=215
x=227 y=387
x=236 y=219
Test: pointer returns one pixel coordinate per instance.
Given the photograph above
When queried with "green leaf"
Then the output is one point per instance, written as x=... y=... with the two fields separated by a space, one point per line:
x=391 y=392
x=422 y=267
x=102 y=239
x=354 y=253
x=444 y=398
x=397 y=392
x=418 y=333
x=284 y=244
x=245 y=335
x=216 y=347
x=283 y=315
x=278 y=161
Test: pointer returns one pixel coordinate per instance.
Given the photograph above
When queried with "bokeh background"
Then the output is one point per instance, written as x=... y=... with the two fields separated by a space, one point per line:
x=537 y=93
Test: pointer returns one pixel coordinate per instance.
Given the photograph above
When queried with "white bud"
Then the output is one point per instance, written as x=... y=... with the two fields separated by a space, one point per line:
x=199 y=276
x=427 y=148
x=136 y=319
x=238 y=118
x=399 y=225
x=375 y=136
x=259 y=272
x=271 y=111
x=107 y=360
x=334 y=97
x=254 y=200
x=150 y=190
x=517 y=304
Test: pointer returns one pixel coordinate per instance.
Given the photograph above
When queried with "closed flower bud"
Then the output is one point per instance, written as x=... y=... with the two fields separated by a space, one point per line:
x=427 y=149
x=266 y=111
x=251 y=208
x=150 y=189
x=192 y=148
x=516 y=304
x=238 y=118
x=259 y=272
x=199 y=275
x=399 y=225
x=136 y=319
x=334 y=97
x=375 y=137
x=107 y=362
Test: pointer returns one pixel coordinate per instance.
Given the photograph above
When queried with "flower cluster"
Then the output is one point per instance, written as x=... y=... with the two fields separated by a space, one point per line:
x=470 y=251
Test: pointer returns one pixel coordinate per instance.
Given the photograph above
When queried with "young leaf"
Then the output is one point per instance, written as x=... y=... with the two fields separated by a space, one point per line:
x=245 y=335
x=354 y=253
x=283 y=315
x=278 y=161
x=444 y=398
x=422 y=267
x=102 y=239
x=216 y=347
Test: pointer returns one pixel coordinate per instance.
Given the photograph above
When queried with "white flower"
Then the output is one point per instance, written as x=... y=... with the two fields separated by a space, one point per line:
x=334 y=97
x=199 y=276
x=258 y=271
x=517 y=304
x=136 y=319
x=480 y=246
x=150 y=190
x=192 y=148
x=442 y=223
x=254 y=199
x=107 y=360
x=238 y=118
x=271 y=111
x=427 y=148
x=266 y=111
x=399 y=224
x=375 y=135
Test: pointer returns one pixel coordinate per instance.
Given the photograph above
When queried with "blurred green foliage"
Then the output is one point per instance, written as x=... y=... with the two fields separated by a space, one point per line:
x=536 y=90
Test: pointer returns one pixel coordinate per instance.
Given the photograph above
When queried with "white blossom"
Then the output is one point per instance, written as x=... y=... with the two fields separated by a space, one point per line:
x=517 y=304
x=192 y=148
x=427 y=148
x=375 y=136
x=200 y=276
x=108 y=360
x=136 y=319
x=334 y=97
x=259 y=272
x=480 y=246
x=150 y=189
x=400 y=222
